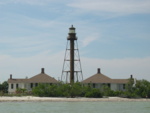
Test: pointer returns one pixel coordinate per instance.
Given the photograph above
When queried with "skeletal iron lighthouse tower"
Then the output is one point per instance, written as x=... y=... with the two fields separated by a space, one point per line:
x=72 y=71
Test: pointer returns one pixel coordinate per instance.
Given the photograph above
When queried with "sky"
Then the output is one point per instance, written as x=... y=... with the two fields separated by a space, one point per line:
x=113 y=35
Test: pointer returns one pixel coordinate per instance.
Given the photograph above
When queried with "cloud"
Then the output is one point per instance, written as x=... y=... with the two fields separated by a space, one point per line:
x=22 y=48
x=89 y=39
x=42 y=23
x=25 y=35
x=118 y=68
x=30 y=66
x=113 y=6
x=113 y=68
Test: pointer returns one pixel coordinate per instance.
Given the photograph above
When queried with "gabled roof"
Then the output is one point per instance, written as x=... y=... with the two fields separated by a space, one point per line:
x=40 y=78
x=100 y=78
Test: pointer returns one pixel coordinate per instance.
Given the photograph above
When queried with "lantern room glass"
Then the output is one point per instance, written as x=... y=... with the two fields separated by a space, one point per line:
x=72 y=31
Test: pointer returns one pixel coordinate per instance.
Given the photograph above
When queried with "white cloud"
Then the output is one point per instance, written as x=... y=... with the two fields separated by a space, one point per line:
x=117 y=68
x=113 y=6
x=41 y=23
x=25 y=45
x=89 y=39
x=30 y=66
x=28 y=34
x=113 y=68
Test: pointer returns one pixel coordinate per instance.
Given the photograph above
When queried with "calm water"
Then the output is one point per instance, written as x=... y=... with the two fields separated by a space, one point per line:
x=75 y=107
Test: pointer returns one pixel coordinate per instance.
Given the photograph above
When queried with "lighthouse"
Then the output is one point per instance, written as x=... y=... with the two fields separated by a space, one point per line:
x=72 y=71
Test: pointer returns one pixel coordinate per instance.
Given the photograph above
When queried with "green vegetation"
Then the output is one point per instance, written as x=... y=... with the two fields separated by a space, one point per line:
x=21 y=91
x=66 y=90
x=3 y=88
x=140 y=90
x=106 y=91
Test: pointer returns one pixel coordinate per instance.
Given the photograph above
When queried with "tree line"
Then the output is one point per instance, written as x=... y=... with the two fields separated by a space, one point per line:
x=3 y=88
x=140 y=90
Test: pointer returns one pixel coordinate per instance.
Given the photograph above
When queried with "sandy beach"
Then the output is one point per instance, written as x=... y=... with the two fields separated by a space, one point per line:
x=57 y=99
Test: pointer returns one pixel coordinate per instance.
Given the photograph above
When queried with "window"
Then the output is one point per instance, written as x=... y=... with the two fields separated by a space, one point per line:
x=124 y=86
x=93 y=85
x=89 y=85
x=36 y=84
x=12 y=86
x=108 y=85
x=31 y=85
x=17 y=85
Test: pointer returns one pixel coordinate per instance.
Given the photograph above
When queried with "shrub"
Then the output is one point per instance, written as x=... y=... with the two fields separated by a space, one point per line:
x=94 y=93
x=65 y=90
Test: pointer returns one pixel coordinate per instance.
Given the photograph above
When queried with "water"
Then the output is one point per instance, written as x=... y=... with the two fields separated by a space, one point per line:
x=75 y=107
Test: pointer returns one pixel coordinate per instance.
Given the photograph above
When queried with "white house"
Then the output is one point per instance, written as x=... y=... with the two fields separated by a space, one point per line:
x=98 y=80
x=28 y=84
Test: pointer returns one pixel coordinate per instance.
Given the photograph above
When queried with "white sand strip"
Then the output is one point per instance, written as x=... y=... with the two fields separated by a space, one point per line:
x=53 y=99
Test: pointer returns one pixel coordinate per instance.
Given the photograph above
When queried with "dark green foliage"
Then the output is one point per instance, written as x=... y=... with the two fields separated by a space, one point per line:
x=20 y=91
x=130 y=90
x=66 y=90
x=118 y=93
x=93 y=92
x=42 y=90
x=107 y=91
x=141 y=89
x=4 y=87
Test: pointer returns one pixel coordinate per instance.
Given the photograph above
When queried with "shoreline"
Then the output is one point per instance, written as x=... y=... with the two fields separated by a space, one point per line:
x=57 y=99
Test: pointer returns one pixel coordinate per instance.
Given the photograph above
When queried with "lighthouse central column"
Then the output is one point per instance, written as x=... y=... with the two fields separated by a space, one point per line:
x=71 y=61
